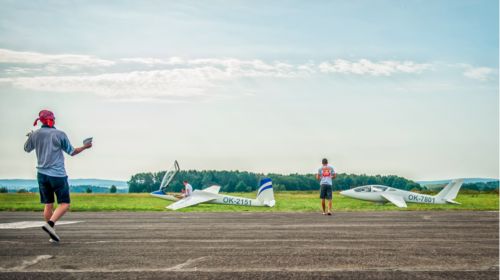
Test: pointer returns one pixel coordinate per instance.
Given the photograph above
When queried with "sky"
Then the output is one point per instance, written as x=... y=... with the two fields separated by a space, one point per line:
x=407 y=88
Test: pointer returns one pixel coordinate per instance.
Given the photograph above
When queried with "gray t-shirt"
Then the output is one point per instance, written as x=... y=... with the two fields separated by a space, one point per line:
x=325 y=174
x=189 y=190
x=49 y=143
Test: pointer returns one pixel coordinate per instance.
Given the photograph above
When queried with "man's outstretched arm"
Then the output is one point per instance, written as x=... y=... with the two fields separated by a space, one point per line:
x=81 y=149
x=29 y=146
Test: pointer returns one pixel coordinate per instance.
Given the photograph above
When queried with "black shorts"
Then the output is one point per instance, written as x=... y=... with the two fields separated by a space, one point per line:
x=325 y=192
x=50 y=185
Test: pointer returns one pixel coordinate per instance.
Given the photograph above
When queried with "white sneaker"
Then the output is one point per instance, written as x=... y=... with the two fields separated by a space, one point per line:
x=53 y=241
x=51 y=231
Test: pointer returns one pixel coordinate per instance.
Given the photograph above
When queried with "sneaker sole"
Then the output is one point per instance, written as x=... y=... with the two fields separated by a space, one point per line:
x=54 y=237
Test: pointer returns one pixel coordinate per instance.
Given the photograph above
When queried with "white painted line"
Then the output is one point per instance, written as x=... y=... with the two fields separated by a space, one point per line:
x=29 y=263
x=187 y=263
x=32 y=224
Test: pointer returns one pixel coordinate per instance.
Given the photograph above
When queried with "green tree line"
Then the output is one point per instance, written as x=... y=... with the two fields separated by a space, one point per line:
x=241 y=181
x=481 y=186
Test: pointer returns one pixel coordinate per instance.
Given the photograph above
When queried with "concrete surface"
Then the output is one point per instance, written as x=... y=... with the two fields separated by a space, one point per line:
x=347 y=245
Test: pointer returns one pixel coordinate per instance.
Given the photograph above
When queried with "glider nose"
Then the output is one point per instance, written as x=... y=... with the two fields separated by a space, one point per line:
x=347 y=193
x=157 y=193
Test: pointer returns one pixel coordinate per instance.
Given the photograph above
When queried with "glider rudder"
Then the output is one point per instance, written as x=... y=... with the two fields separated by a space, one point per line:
x=265 y=193
x=450 y=192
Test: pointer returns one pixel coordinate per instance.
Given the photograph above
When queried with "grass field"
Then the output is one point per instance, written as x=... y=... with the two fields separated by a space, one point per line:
x=286 y=202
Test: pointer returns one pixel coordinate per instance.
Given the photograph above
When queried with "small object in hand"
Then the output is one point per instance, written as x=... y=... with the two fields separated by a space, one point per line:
x=87 y=141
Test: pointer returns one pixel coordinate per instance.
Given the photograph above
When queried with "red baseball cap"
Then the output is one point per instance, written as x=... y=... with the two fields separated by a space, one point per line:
x=46 y=117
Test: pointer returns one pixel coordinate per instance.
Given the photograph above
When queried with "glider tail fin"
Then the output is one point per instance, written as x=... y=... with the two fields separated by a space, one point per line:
x=265 y=193
x=450 y=192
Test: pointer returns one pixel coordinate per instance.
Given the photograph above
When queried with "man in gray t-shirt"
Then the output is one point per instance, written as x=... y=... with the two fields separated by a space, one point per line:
x=188 y=189
x=49 y=144
x=325 y=175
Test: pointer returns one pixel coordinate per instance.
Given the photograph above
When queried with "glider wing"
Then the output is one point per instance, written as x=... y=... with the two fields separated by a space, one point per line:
x=212 y=189
x=396 y=200
x=196 y=198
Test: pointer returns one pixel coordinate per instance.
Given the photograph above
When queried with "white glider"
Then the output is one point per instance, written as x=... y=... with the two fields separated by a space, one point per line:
x=265 y=194
x=383 y=194
x=265 y=197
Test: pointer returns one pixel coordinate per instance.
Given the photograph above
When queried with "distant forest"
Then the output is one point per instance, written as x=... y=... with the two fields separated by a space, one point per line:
x=73 y=189
x=481 y=186
x=238 y=181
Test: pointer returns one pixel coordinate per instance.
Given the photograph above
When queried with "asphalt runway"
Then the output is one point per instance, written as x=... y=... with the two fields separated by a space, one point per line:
x=347 y=245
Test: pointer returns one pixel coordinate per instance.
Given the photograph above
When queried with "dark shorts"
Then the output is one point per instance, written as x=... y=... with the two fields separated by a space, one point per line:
x=49 y=186
x=325 y=192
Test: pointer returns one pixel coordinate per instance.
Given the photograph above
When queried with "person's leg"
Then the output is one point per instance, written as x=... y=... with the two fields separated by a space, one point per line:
x=329 y=194
x=46 y=196
x=48 y=211
x=61 y=188
x=322 y=194
x=60 y=211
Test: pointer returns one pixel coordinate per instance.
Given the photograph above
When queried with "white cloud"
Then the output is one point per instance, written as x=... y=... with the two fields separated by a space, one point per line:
x=479 y=73
x=233 y=67
x=367 y=67
x=174 y=79
x=19 y=71
x=175 y=83
x=154 y=61
x=16 y=57
x=191 y=81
